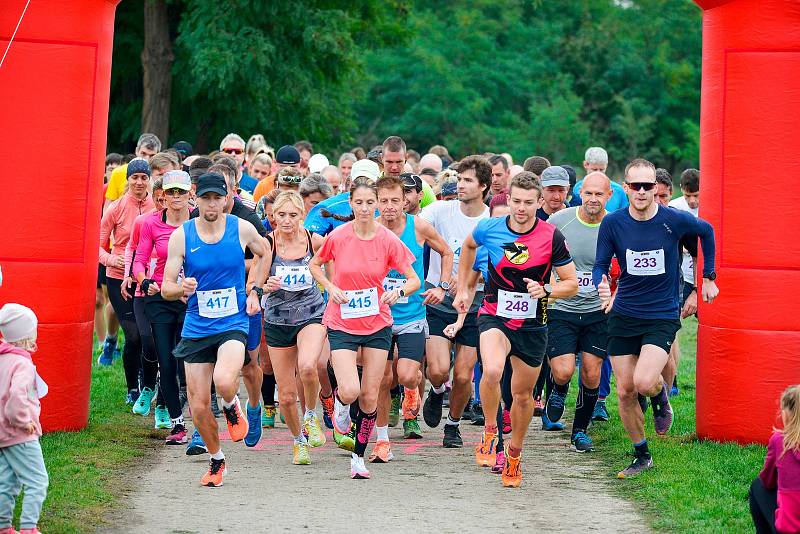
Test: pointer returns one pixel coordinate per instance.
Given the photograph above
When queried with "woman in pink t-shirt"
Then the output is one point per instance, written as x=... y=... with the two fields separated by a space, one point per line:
x=357 y=314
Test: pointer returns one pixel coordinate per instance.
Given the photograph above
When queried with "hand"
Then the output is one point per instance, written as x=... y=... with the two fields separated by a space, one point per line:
x=336 y=295
x=535 y=289
x=390 y=297
x=126 y=285
x=453 y=287
x=461 y=302
x=153 y=289
x=606 y=307
x=710 y=290
x=604 y=290
x=434 y=295
x=273 y=284
x=118 y=262
x=189 y=286
x=452 y=329
x=30 y=427
x=253 y=303
x=690 y=306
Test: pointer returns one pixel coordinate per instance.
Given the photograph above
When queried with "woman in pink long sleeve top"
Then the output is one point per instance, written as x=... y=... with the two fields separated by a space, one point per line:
x=775 y=493
x=117 y=223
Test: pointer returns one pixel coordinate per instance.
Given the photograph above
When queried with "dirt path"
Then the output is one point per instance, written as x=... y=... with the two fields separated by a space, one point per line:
x=426 y=488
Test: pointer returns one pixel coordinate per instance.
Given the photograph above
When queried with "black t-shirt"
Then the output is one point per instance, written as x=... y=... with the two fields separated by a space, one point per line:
x=243 y=212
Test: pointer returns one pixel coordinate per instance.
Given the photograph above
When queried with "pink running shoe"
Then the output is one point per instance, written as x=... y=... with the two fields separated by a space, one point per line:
x=177 y=436
x=499 y=463
x=506 y=421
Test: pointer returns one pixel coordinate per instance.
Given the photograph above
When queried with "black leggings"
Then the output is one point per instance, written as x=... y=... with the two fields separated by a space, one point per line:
x=166 y=321
x=505 y=385
x=763 y=503
x=132 y=353
x=149 y=356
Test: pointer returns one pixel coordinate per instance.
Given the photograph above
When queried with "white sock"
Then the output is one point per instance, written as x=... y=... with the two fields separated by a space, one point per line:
x=177 y=421
x=218 y=455
x=383 y=432
x=300 y=439
x=451 y=422
x=309 y=414
x=438 y=389
x=226 y=404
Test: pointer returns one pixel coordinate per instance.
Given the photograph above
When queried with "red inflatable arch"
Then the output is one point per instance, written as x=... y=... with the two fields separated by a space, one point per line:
x=749 y=339
x=54 y=85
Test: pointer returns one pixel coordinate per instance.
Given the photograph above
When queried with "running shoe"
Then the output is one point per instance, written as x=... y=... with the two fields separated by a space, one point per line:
x=9 y=530
x=107 y=355
x=357 y=468
x=142 y=404
x=674 y=391
x=512 y=471
x=394 y=411
x=432 y=409
x=177 y=436
x=162 y=419
x=485 y=451
x=341 y=416
x=600 y=412
x=452 y=437
x=347 y=441
x=410 y=404
x=213 y=478
x=638 y=466
x=477 y=415
x=381 y=453
x=313 y=431
x=300 y=454
x=33 y=530
x=581 y=442
x=411 y=429
x=506 y=421
x=253 y=426
x=268 y=417
x=499 y=463
x=196 y=445
x=554 y=407
x=662 y=413
x=642 y=402
x=132 y=397
x=468 y=415
x=327 y=410
x=538 y=406
x=237 y=422
x=215 y=406
x=549 y=425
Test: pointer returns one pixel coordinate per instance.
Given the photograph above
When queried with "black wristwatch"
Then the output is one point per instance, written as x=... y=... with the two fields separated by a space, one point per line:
x=259 y=291
x=401 y=292
x=710 y=276
x=145 y=285
x=444 y=285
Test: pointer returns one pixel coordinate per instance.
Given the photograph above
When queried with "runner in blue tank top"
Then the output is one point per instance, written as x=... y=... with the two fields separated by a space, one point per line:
x=410 y=328
x=210 y=249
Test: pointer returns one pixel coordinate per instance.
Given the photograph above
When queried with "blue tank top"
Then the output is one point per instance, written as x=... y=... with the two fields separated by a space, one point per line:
x=220 y=303
x=412 y=310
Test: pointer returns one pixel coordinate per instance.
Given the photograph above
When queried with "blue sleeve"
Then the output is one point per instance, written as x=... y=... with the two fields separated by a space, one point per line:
x=316 y=223
x=705 y=232
x=479 y=233
x=576 y=194
x=604 y=252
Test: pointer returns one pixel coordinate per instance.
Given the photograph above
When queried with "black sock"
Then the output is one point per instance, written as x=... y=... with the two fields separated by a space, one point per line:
x=584 y=408
x=268 y=390
x=395 y=391
x=354 y=410
x=641 y=450
x=365 y=422
x=642 y=402
x=675 y=381
x=658 y=400
x=561 y=388
x=499 y=428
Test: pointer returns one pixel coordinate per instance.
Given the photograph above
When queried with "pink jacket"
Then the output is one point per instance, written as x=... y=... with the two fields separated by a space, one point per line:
x=19 y=400
x=118 y=220
x=782 y=471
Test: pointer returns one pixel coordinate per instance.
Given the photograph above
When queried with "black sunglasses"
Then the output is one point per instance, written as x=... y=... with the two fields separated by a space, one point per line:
x=636 y=186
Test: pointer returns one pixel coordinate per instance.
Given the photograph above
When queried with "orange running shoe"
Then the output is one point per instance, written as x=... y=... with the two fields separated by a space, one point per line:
x=213 y=478
x=327 y=408
x=237 y=422
x=512 y=472
x=382 y=453
x=486 y=450
x=410 y=404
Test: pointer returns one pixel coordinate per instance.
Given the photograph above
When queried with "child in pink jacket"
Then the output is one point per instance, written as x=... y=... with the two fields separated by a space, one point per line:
x=21 y=461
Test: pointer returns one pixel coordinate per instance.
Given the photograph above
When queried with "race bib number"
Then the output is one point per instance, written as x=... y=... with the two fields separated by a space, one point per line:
x=645 y=263
x=455 y=246
x=217 y=303
x=295 y=277
x=687 y=267
x=585 y=282
x=360 y=303
x=513 y=305
x=390 y=284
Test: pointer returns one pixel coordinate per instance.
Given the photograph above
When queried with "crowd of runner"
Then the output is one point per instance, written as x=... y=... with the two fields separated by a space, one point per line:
x=353 y=285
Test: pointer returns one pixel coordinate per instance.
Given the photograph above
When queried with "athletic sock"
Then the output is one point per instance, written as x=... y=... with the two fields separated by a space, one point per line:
x=562 y=388
x=268 y=390
x=657 y=401
x=365 y=422
x=309 y=414
x=300 y=439
x=383 y=433
x=490 y=429
x=640 y=449
x=514 y=452
x=226 y=404
x=450 y=421
x=178 y=421
x=218 y=455
x=395 y=391
x=584 y=408
x=438 y=389
x=675 y=381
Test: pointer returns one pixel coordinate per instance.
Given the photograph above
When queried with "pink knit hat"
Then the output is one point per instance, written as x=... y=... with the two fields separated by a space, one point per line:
x=17 y=322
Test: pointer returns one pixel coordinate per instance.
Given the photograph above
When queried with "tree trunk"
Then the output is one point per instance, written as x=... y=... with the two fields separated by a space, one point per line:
x=157 y=58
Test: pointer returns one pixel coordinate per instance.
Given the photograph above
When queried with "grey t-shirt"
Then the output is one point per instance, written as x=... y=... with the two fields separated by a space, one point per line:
x=582 y=243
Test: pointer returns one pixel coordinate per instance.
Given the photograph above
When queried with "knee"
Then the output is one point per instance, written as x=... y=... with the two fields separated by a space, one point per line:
x=561 y=373
x=523 y=400
x=462 y=380
x=626 y=392
x=408 y=378
x=348 y=394
x=492 y=374
x=287 y=396
x=307 y=371
x=644 y=384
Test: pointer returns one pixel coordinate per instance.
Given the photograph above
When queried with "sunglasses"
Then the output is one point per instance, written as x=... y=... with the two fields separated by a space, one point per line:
x=233 y=150
x=637 y=186
x=290 y=179
x=175 y=192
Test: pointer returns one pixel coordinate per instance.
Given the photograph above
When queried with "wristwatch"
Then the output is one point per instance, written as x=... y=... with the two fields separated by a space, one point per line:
x=145 y=285
x=259 y=291
x=444 y=285
x=401 y=292
x=710 y=276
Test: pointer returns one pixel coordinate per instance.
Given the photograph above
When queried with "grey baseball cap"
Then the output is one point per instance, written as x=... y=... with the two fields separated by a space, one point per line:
x=555 y=175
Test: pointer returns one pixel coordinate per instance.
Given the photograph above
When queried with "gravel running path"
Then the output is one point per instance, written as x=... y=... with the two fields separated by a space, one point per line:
x=426 y=488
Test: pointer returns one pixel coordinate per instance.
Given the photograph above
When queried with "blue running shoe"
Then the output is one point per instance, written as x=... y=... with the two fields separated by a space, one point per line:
x=196 y=445
x=554 y=408
x=133 y=396
x=254 y=425
x=107 y=354
x=581 y=442
x=549 y=425
x=327 y=419
x=674 y=391
x=600 y=412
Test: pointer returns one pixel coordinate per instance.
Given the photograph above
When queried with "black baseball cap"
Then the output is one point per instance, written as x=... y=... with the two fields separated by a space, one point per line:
x=211 y=183
x=411 y=181
x=184 y=148
x=287 y=155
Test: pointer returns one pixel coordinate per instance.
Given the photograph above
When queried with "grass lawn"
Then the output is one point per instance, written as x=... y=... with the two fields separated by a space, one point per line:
x=85 y=467
x=696 y=486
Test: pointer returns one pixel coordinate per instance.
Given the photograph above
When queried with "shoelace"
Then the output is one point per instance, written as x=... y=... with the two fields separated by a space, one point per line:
x=216 y=465
x=556 y=400
x=231 y=415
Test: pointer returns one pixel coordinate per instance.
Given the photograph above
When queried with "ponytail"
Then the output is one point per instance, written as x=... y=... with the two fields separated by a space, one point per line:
x=790 y=404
